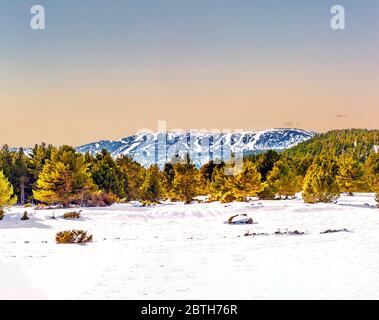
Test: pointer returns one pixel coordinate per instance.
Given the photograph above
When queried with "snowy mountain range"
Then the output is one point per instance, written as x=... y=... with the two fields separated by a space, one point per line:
x=159 y=148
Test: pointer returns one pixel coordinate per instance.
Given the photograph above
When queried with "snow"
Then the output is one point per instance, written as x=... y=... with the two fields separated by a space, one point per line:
x=146 y=148
x=177 y=251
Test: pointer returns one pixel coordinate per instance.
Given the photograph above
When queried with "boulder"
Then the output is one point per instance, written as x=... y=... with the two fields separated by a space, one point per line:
x=240 y=219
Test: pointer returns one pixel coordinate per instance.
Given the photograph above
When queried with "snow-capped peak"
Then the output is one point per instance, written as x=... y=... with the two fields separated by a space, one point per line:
x=160 y=147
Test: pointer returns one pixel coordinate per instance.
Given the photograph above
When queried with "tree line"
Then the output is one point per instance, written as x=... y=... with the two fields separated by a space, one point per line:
x=51 y=175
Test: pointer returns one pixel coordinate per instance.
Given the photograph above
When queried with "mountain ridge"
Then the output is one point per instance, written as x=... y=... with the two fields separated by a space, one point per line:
x=160 y=147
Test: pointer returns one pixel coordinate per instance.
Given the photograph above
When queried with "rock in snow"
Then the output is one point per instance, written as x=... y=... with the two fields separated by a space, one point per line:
x=240 y=219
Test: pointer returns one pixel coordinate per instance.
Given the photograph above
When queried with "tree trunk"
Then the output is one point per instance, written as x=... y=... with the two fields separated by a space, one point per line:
x=22 y=192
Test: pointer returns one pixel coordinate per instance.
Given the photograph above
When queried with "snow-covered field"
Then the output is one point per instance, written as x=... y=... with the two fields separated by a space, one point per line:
x=176 y=251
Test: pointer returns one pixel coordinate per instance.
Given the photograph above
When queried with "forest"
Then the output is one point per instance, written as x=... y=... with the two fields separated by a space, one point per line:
x=341 y=161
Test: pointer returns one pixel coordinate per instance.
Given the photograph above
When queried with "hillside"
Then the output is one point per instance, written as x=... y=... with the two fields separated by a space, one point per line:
x=359 y=142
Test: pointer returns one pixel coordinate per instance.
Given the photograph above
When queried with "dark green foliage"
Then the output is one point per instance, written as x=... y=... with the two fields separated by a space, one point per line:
x=265 y=162
x=106 y=174
x=206 y=175
x=21 y=176
x=6 y=160
x=168 y=179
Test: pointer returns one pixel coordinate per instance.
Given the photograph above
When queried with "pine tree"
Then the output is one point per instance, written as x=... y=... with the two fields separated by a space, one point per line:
x=372 y=173
x=64 y=179
x=248 y=182
x=20 y=176
x=40 y=154
x=106 y=174
x=320 y=183
x=133 y=174
x=6 y=193
x=186 y=182
x=6 y=161
x=151 y=188
x=350 y=174
x=206 y=174
x=168 y=179
x=283 y=179
x=221 y=186
x=265 y=162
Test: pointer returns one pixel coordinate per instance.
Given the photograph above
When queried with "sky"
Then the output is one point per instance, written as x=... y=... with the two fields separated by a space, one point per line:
x=104 y=69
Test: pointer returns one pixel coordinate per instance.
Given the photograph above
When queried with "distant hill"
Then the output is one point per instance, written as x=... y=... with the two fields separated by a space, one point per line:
x=148 y=148
x=359 y=142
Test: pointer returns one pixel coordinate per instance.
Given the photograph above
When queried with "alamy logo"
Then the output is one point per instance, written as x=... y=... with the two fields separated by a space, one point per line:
x=338 y=20
x=38 y=20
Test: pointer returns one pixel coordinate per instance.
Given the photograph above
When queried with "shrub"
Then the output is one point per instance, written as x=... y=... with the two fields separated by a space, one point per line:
x=24 y=216
x=100 y=199
x=73 y=236
x=148 y=203
x=28 y=205
x=1 y=214
x=72 y=215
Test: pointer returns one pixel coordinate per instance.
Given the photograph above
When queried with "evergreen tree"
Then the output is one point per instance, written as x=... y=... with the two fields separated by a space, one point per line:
x=186 y=182
x=133 y=174
x=168 y=179
x=40 y=154
x=64 y=179
x=320 y=184
x=247 y=183
x=283 y=179
x=107 y=175
x=372 y=173
x=356 y=142
x=220 y=187
x=206 y=174
x=6 y=161
x=6 y=193
x=265 y=162
x=350 y=174
x=151 y=188
x=20 y=176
